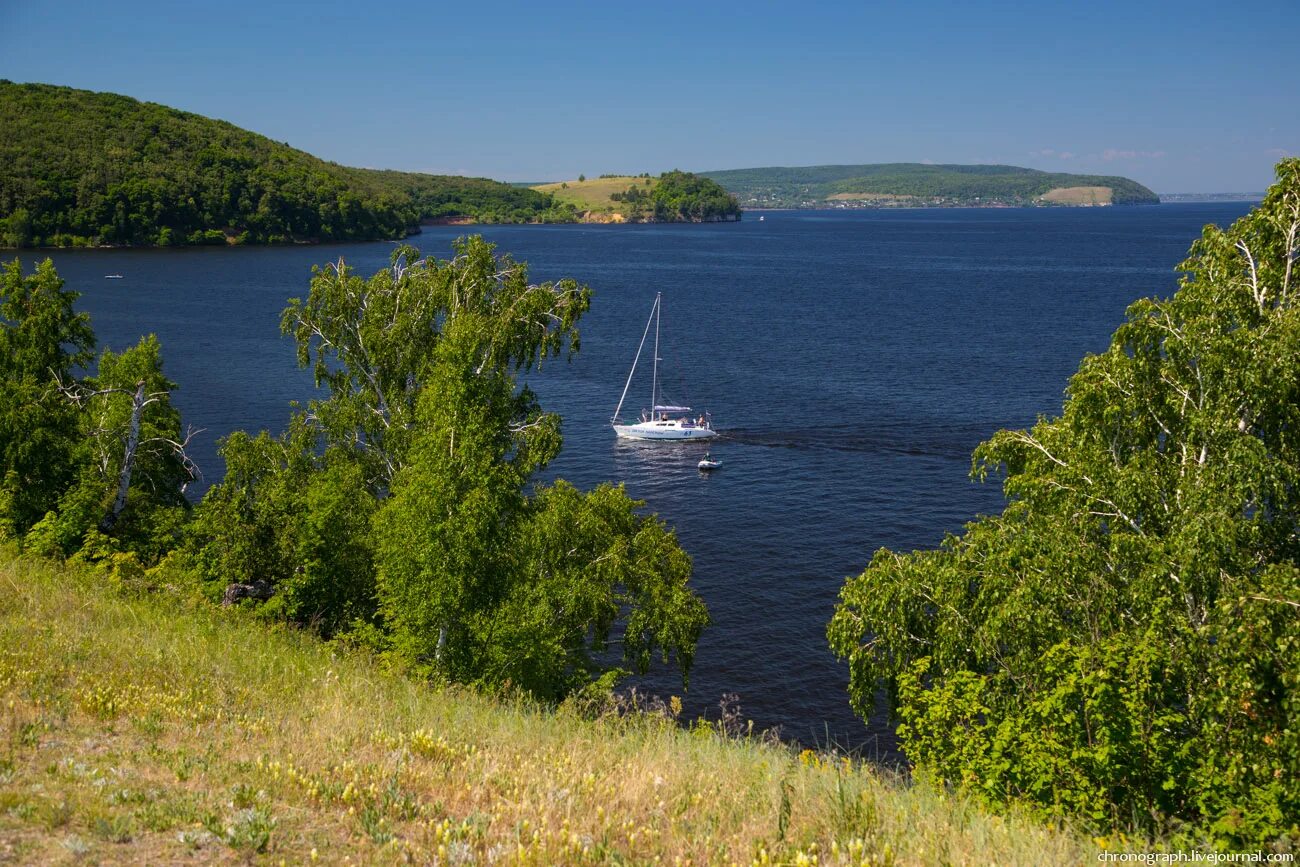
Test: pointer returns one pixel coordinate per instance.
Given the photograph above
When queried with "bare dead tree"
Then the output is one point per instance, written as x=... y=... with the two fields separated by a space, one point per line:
x=103 y=435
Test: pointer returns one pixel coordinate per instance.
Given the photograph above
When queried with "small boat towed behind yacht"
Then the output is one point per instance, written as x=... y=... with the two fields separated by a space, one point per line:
x=661 y=422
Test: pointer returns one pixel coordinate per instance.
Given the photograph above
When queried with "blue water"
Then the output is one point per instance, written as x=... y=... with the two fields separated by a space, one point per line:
x=853 y=360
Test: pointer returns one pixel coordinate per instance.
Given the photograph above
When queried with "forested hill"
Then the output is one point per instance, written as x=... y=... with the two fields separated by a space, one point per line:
x=921 y=185
x=80 y=168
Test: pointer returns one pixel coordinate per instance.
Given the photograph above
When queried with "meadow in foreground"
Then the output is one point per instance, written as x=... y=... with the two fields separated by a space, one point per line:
x=141 y=727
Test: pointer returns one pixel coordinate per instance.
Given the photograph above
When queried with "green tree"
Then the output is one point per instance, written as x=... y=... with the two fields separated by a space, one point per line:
x=16 y=230
x=682 y=196
x=291 y=524
x=43 y=340
x=1122 y=642
x=132 y=467
x=372 y=343
x=460 y=572
x=479 y=581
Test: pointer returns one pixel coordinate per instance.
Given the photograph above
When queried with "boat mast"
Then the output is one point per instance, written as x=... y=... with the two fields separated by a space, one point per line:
x=640 y=346
x=654 y=377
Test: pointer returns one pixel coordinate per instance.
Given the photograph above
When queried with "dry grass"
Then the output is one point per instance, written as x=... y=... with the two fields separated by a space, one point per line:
x=145 y=729
x=594 y=195
x=1079 y=195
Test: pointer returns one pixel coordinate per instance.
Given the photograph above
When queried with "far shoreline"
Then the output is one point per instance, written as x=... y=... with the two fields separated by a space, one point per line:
x=472 y=223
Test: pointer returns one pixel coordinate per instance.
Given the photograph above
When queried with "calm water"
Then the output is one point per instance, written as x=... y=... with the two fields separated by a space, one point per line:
x=853 y=359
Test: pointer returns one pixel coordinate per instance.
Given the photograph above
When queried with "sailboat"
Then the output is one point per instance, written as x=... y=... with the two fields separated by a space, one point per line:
x=661 y=422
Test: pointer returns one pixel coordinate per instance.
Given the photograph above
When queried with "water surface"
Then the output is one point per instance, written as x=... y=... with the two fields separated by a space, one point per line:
x=854 y=359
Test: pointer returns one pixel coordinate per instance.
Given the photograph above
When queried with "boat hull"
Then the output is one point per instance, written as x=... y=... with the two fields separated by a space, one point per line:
x=649 y=430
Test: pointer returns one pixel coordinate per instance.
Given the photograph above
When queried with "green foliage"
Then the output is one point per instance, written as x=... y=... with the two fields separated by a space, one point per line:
x=479 y=581
x=42 y=341
x=103 y=554
x=333 y=584
x=64 y=442
x=394 y=510
x=485 y=584
x=147 y=522
x=685 y=197
x=159 y=469
x=447 y=533
x=811 y=185
x=1122 y=643
x=636 y=203
x=373 y=343
x=245 y=528
x=63 y=528
x=86 y=168
x=293 y=519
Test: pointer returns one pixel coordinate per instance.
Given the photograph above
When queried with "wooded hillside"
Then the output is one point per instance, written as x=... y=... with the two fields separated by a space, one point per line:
x=81 y=168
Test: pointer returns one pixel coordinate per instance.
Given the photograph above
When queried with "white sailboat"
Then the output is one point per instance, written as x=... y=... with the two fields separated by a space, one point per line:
x=661 y=422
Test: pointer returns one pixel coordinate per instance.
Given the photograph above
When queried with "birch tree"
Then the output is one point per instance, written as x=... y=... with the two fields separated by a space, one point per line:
x=1122 y=643
x=481 y=581
x=462 y=572
x=133 y=464
x=371 y=342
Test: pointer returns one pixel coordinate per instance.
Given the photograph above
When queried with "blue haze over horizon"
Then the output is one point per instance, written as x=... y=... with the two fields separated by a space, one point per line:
x=1182 y=97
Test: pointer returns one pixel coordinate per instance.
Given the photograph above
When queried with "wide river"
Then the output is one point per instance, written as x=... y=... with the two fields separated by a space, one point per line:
x=852 y=359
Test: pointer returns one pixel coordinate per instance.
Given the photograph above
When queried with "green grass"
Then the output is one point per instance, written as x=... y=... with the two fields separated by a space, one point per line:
x=146 y=728
x=594 y=195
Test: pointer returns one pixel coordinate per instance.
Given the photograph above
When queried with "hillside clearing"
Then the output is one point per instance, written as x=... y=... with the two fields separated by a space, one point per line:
x=594 y=195
x=1079 y=195
x=142 y=728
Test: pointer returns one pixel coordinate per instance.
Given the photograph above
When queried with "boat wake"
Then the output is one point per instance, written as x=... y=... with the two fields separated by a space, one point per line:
x=956 y=442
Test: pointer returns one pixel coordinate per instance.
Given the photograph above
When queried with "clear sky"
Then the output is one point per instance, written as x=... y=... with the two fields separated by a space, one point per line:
x=1183 y=96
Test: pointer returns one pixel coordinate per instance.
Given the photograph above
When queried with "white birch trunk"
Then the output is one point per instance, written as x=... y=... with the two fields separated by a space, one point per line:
x=128 y=458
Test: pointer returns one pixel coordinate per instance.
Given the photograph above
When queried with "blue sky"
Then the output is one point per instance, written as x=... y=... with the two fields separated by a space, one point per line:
x=1187 y=96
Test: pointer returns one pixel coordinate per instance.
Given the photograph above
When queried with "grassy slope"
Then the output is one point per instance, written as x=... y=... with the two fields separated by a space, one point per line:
x=808 y=185
x=593 y=195
x=142 y=729
x=1079 y=195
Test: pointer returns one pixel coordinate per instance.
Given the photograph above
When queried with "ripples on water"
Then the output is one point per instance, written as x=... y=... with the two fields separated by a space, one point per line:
x=852 y=361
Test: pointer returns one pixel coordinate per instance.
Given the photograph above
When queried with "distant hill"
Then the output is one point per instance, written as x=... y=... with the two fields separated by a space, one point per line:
x=1211 y=197
x=673 y=197
x=83 y=168
x=921 y=185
